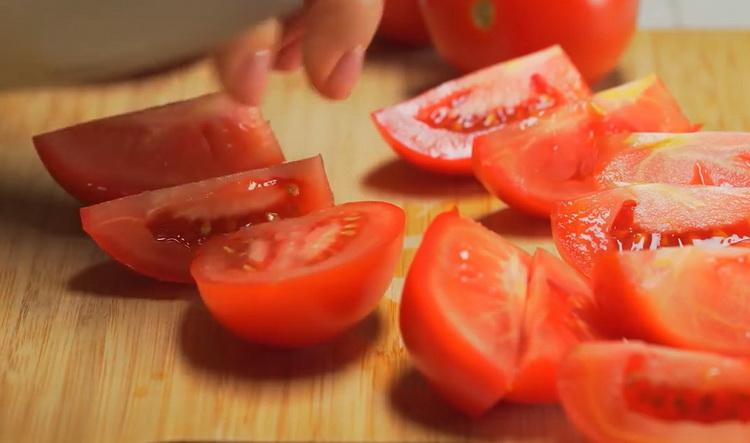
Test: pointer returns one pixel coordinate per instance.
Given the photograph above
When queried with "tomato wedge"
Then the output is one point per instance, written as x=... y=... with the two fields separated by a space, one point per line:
x=435 y=130
x=155 y=232
x=170 y=145
x=649 y=216
x=700 y=158
x=538 y=162
x=560 y=313
x=461 y=311
x=636 y=393
x=301 y=281
x=690 y=297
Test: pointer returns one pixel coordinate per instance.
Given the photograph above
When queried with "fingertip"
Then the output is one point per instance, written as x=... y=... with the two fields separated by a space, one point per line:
x=289 y=58
x=250 y=78
x=341 y=81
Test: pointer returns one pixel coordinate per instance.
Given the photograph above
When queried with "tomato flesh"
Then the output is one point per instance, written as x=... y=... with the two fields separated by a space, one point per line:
x=649 y=216
x=301 y=281
x=669 y=296
x=436 y=129
x=633 y=392
x=183 y=142
x=155 y=232
x=461 y=311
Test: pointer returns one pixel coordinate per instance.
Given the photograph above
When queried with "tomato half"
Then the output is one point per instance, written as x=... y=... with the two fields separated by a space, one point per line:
x=435 y=130
x=471 y=34
x=559 y=314
x=690 y=297
x=700 y=158
x=649 y=216
x=461 y=311
x=635 y=393
x=301 y=281
x=155 y=232
x=402 y=23
x=538 y=162
x=170 y=145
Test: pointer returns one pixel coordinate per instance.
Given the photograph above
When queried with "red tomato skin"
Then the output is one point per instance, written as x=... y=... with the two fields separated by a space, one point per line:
x=402 y=23
x=118 y=226
x=468 y=379
x=594 y=33
x=312 y=308
x=160 y=147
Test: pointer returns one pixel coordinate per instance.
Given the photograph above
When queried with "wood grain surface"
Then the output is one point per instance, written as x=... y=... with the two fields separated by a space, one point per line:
x=90 y=352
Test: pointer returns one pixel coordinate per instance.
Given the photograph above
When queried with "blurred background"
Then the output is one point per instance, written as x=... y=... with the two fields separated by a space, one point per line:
x=694 y=14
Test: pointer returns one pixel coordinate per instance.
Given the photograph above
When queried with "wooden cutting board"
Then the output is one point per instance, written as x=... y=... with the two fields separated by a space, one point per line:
x=91 y=352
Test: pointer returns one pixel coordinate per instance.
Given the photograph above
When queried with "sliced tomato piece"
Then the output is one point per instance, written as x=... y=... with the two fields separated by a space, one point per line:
x=301 y=281
x=700 y=158
x=538 y=162
x=461 y=311
x=560 y=313
x=636 y=393
x=669 y=296
x=155 y=232
x=649 y=216
x=436 y=129
x=170 y=145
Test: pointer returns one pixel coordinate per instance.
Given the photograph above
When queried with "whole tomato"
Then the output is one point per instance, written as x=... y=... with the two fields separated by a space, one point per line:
x=402 y=23
x=471 y=34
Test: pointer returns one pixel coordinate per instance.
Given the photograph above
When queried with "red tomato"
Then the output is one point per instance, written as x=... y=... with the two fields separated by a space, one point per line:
x=155 y=232
x=689 y=297
x=301 y=281
x=461 y=311
x=701 y=158
x=183 y=142
x=649 y=216
x=435 y=130
x=472 y=34
x=402 y=22
x=538 y=162
x=631 y=392
x=559 y=314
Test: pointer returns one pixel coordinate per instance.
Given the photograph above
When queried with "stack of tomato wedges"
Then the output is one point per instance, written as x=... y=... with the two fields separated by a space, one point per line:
x=644 y=334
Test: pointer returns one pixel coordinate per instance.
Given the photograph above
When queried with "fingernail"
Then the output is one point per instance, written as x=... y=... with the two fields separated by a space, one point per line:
x=289 y=57
x=251 y=77
x=341 y=80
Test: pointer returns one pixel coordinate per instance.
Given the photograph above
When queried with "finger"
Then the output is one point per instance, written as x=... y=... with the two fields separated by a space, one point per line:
x=289 y=56
x=337 y=32
x=244 y=64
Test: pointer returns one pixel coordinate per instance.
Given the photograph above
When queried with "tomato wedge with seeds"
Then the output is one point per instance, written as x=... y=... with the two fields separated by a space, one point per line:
x=461 y=311
x=435 y=130
x=301 y=281
x=170 y=145
x=637 y=393
x=690 y=297
x=649 y=216
x=155 y=232
x=700 y=158
x=560 y=313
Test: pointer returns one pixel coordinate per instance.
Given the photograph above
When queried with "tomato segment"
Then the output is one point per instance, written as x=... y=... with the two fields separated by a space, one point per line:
x=436 y=129
x=649 y=216
x=301 y=281
x=155 y=232
x=632 y=392
x=669 y=296
x=205 y=137
x=461 y=311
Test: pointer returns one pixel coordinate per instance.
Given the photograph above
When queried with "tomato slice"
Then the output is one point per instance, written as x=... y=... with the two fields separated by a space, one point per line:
x=461 y=311
x=669 y=296
x=155 y=232
x=170 y=145
x=632 y=392
x=700 y=158
x=538 y=162
x=649 y=216
x=560 y=313
x=435 y=130
x=301 y=281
